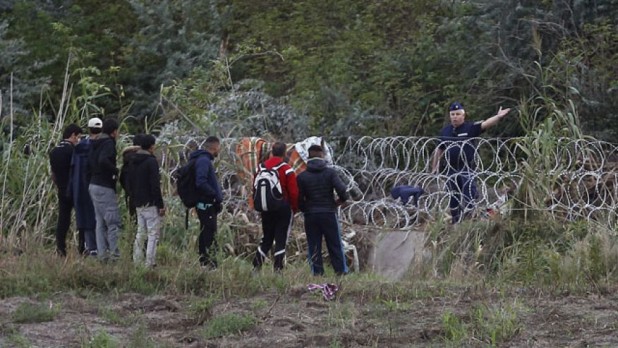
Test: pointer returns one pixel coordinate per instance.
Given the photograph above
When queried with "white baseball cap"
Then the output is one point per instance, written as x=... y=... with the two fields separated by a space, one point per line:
x=95 y=122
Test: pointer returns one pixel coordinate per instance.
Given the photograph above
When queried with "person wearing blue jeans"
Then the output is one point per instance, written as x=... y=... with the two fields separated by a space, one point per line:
x=458 y=145
x=316 y=200
x=103 y=174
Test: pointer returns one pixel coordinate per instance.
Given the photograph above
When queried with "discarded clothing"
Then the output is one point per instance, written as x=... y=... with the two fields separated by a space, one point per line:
x=328 y=290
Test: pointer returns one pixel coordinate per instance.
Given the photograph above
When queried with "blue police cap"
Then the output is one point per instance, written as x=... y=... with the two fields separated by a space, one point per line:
x=455 y=106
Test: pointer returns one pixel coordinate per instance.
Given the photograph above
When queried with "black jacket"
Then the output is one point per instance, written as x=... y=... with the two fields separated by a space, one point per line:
x=127 y=155
x=60 y=162
x=144 y=180
x=102 y=162
x=315 y=188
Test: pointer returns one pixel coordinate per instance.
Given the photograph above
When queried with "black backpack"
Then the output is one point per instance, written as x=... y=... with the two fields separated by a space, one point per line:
x=185 y=184
x=267 y=191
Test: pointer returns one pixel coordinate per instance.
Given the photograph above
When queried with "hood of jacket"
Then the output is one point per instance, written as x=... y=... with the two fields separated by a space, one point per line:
x=129 y=151
x=316 y=164
x=102 y=138
x=140 y=156
x=198 y=153
x=82 y=147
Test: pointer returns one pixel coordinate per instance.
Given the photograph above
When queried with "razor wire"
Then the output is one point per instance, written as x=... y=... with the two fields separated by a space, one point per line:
x=574 y=178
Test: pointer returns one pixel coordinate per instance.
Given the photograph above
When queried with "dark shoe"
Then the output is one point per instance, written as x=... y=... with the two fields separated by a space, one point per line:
x=255 y=272
x=209 y=266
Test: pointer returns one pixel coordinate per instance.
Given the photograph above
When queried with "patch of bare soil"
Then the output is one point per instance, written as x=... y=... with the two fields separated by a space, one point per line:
x=298 y=318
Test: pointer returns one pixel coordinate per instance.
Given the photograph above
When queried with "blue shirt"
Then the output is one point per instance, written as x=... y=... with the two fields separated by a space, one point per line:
x=460 y=153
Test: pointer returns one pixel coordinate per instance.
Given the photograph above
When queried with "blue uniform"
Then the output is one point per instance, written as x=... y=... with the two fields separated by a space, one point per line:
x=460 y=154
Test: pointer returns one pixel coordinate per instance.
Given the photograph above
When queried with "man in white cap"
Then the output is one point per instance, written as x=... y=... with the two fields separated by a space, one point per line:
x=84 y=210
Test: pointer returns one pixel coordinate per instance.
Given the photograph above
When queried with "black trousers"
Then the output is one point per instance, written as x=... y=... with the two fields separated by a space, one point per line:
x=65 y=205
x=207 y=244
x=318 y=225
x=276 y=227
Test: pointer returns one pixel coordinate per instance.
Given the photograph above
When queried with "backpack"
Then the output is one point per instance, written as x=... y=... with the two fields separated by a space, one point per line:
x=185 y=184
x=267 y=191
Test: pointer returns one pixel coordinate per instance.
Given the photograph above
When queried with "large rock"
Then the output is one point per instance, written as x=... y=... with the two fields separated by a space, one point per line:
x=395 y=251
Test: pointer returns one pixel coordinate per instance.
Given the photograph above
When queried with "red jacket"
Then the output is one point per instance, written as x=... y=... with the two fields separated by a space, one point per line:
x=287 y=177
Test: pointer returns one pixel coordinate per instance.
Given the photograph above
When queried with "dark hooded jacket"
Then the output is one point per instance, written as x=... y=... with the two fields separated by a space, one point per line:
x=102 y=162
x=127 y=155
x=205 y=177
x=316 y=186
x=78 y=185
x=144 y=181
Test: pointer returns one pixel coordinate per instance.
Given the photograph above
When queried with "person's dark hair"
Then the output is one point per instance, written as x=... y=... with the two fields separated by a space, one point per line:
x=137 y=139
x=210 y=141
x=146 y=141
x=315 y=151
x=109 y=126
x=70 y=130
x=278 y=149
x=95 y=130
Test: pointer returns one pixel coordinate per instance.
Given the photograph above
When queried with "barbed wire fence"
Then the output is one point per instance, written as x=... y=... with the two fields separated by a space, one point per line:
x=578 y=179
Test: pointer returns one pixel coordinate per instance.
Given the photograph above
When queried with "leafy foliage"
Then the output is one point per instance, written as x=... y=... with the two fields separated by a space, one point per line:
x=344 y=68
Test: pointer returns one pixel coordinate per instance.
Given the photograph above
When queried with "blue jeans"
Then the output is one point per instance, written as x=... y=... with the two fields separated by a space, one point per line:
x=462 y=188
x=324 y=225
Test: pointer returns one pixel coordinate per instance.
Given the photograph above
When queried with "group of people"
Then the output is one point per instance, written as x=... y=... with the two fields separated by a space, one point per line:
x=85 y=174
x=312 y=193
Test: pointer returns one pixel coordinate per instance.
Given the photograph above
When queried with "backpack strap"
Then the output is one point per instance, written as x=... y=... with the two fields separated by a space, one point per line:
x=278 y=166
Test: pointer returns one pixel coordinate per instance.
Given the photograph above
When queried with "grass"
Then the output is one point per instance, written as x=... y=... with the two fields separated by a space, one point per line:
x=18 y=340
x=492 y=325
x=547 y=254
x=12 y=335
x=101 y=339
x=115 y=317
x=229 y=324
x=200 y=309
x=342 y=315
x=140 y=339
x=34 y=313
x=454 y=328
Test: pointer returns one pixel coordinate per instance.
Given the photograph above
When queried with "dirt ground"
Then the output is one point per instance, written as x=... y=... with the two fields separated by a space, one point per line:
x=299 y=318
